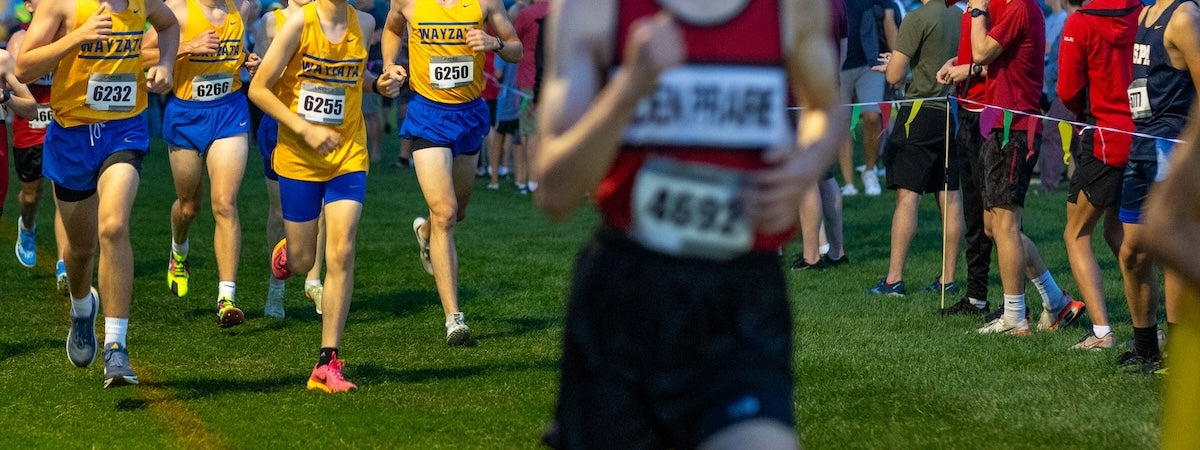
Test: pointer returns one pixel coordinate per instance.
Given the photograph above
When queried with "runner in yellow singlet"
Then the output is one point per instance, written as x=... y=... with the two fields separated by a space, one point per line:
x=446 y=120
x=317 y=67
x=206 y=124
x=267 y=135
x=94 y=149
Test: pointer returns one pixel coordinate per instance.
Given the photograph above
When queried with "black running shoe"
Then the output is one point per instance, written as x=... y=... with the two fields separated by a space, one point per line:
x=800 y=264
x=966 y=308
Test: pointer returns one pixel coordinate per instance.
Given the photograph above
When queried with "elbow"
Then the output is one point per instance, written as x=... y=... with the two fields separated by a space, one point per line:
x=24 y=75
x=894 y=79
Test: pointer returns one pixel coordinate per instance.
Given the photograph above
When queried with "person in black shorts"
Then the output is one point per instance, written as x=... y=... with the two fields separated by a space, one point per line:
x=678 y=330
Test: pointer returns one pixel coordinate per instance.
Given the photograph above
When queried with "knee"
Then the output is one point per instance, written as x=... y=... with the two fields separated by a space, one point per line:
x=1132 y=259
x=339 y=255
x=443 y=217
x=224 y=208
x=187 y=208
x=300 y=261
x=113 y=229
x=872 y=119
x=31 y=192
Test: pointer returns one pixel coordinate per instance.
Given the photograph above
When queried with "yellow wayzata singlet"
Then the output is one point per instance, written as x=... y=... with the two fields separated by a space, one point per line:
x=441 y=66
x=102 y=81
x=323 y=84
x=210 y=77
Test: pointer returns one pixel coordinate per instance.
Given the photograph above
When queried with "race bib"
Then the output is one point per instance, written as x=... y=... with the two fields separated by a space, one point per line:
x=206 y=88
x=451 y=71
x=44 y=116
x=737 y=107
x=690 y=210
x=1139 y=99
x=321 y=104
x=116 y=92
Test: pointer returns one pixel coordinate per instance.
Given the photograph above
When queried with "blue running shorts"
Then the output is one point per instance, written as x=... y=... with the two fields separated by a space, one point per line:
x=301 y=201
x=195 y=125
x=267 y=136
x=461 y=128
x=72 y=157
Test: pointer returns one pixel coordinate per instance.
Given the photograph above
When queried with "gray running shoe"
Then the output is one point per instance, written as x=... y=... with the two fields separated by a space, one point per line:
x=81 y=338
x=117 y=371
x=457 y=332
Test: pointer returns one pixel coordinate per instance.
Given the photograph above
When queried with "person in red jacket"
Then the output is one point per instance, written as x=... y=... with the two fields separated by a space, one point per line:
x=1093 y=75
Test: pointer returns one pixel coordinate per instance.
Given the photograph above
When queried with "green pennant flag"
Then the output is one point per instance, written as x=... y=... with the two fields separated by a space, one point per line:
x=854 y=112
x=1066 y=132
x=912 y=115
x=1008 y=118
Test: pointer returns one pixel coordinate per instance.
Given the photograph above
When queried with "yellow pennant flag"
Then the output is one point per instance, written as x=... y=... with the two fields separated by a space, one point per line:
x=912 y=115
x=1067 y=132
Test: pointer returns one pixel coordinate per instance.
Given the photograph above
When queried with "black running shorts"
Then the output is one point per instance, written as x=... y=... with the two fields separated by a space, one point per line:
x=663 y=352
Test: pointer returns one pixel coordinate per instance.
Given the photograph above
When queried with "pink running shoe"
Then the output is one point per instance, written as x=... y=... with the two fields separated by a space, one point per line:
x=279 y=264
x=329 y=378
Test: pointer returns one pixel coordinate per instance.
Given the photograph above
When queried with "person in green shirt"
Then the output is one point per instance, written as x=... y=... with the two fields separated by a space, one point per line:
x=916 y=159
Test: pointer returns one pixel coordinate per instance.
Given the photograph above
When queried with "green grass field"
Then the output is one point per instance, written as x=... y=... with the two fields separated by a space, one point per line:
x=871 y=372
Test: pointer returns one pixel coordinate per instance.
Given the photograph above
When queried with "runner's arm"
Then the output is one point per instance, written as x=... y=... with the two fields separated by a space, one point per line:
x=21 y=100
x=43 y=48
x=497 y=17
x=582 y=119
x=1183 y=33
x=271 y=68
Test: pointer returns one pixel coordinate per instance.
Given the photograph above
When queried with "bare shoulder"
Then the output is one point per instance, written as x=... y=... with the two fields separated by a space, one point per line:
x=14 y=41
x=1186 y=17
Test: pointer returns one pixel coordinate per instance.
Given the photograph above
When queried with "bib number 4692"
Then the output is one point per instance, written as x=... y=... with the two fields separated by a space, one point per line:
x=690 y=210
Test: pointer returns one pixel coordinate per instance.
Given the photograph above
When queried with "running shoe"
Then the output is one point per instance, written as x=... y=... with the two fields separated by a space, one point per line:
x=228 y=314
x=329 y=379
x=1092 y=342
x=830 y=262
x=423 y=244
x=800 y=264
x=1051 y=321
x=936 y=286
x=1003 y=325
x=274 y=305
x=26 y=244
x=883 y=288
x=279 y=262
x=457 y=332
x=965 y=307
x=849 y=190
x=177 y=274
x=1132 y=362
x=60 y=278
x=117 y=370
x=81 y=338
x=871 y=183
x=315 y=292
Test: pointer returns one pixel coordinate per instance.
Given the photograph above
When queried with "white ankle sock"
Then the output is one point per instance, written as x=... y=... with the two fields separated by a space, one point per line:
x=226 y=289
x=114 y=330
x=1052 y=296
x=180 y=249
x=1014 y=307
x=1101 y=330
x=977 y=302
x=81 y=307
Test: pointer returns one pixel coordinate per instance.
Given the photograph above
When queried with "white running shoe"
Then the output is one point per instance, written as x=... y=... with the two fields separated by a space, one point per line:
x=1003 y=325
x=314 y=292
x=423 y=244
x=871 y=183
x=457 y=332
x=849 y=190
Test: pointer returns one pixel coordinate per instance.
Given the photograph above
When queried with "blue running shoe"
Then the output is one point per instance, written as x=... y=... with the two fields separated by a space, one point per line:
x=81 y=338
x=936 y=286
x=60 y=278
x=117 y=371
x=26 y=244
x=883 y=288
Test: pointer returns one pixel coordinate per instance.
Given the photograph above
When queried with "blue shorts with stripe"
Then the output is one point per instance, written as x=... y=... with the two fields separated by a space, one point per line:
x=73 y=156
x=196 y=125
x=461 y=127
x=267 y=137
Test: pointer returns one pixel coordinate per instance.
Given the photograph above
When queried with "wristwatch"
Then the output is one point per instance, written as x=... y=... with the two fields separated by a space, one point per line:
x=976 y=70
x=499 y=44
x=7 y=95
x=976 y=12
